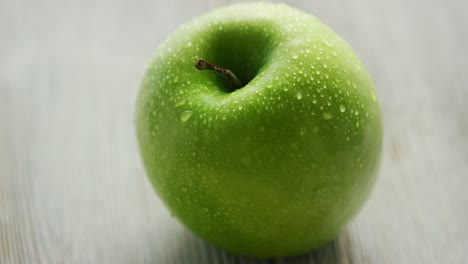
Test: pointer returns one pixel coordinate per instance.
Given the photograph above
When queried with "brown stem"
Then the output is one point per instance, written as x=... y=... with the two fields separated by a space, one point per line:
x=202 y=64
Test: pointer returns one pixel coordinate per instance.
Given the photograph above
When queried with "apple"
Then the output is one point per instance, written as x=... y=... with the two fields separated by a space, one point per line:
x=270 y=144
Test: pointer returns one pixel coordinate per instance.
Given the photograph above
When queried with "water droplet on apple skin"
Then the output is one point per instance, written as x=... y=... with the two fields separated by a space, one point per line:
x=327 y=115
x=342 y=108
x=299 y=95
x=185 y=116
x=180 y=103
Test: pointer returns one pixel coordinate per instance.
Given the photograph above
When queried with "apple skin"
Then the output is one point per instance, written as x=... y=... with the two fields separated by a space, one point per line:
x=279 y=166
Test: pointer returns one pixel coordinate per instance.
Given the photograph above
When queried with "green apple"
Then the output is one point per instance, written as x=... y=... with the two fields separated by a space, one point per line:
x=274 y=166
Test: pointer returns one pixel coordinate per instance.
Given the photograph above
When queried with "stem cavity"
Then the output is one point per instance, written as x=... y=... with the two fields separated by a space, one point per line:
x=202 y=64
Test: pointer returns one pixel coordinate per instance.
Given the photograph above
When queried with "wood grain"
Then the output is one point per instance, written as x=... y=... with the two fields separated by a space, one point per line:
x=72 y=186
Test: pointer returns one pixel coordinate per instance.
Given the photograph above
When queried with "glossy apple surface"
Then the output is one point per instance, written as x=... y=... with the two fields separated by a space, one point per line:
x=279 y=166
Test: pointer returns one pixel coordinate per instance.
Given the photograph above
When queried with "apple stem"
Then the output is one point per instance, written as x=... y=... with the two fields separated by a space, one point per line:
x=202 y=64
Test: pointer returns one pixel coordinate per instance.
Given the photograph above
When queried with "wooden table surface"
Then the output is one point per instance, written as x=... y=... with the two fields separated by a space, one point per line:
x=72 y=185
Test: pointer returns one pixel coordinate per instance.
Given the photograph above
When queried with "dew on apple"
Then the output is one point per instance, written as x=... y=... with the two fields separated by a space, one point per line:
x=342 y=108
x=373 y=95
x=328 y=43
x=186 y=116
x=180 y=103
x=295 y=56
x=327 y=115
x=299 y=95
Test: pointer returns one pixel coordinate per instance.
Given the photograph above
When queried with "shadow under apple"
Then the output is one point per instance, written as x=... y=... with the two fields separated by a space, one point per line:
x=194 y=250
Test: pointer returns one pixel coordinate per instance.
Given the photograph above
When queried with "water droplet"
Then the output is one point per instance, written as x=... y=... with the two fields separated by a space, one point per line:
x=299 y=95
x=295 y=56
x=189 y=44
x=327 y=115
x=186 y=116
x=269 y=85
x=356 y=112
x=303 y=131
x=373 y=95
x=342 y=108
x=328 y=43
x=314 y=100
x=180 y=103
x=357 y=124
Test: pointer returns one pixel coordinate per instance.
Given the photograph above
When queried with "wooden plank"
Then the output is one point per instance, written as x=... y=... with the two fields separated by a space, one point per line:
x=72 y=186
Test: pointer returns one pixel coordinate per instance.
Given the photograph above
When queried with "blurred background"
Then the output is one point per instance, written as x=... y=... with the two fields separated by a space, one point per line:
x=72 y=185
